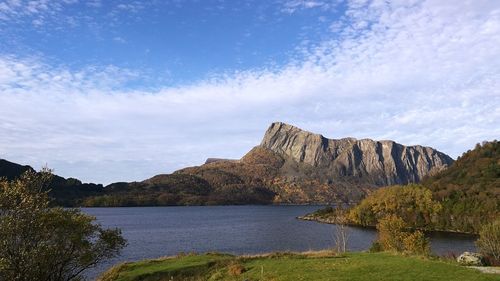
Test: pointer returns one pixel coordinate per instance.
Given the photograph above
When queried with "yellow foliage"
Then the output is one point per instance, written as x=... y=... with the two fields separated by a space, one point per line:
x=413 y=203
x=416 y=243
x=391 y=233
x=394 y=235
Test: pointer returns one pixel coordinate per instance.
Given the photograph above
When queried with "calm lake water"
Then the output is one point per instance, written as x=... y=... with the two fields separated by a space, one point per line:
x=162 y=231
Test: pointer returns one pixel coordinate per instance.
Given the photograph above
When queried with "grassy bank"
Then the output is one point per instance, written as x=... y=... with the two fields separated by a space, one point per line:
x=305 y=266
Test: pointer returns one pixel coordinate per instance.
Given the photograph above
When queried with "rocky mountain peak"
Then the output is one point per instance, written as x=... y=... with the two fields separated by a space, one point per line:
x=379 y=162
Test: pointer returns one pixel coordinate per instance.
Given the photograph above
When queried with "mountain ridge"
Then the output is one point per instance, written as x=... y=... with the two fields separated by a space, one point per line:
x=289 y=166
x=303 y=167
x=384 y=162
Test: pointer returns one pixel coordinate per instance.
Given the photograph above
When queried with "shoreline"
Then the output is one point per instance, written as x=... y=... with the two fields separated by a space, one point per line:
x=332 y=221
x=214 y=205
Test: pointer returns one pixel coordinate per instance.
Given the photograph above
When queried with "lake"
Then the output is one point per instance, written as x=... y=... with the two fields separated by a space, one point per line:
x=162 y=231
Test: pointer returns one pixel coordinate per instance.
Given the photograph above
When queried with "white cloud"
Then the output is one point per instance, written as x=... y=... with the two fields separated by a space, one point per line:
x=94 y=3
x=119 y=39
x=291 y=6
x=131 y=7
x=419 y=73
x=50 y=15
x=15 y=10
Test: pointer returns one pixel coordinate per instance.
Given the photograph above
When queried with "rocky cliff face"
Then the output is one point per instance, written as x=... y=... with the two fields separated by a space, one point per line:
x=375 y=162
x=302 y=167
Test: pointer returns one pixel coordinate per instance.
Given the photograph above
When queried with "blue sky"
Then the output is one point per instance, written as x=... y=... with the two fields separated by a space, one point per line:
x=110 y=91
x=171 y=42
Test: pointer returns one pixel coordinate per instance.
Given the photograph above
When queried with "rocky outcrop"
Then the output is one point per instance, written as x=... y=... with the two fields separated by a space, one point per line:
x=369 y=161
x=211 y=160
x=471 y=259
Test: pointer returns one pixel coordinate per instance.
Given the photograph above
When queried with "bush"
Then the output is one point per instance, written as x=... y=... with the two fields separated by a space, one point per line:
x=413 y=203
x=235 y=269
x=375 y=247
x=391 y=233
x=394 y=235
x=489 y=240
x=416 y=243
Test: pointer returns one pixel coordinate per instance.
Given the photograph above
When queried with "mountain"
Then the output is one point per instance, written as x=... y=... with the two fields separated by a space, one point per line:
x=376 y=162
x=290 y=166
x=66 y=192
x=303 y=167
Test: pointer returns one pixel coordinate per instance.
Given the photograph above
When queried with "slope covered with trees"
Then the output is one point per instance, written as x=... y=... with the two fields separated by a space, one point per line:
x=469 y=190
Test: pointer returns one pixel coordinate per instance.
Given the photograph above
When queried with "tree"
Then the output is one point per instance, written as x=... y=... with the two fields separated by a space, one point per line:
x=391 y=233
x=394 y=235
x=341 y=231
x=489 y=239
x=38 y=242
x=416 y=243
x=413 y=203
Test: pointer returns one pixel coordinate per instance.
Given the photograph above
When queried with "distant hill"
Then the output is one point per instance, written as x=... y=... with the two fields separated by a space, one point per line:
x=66 y=192
x=290 y=166
x=10 y=170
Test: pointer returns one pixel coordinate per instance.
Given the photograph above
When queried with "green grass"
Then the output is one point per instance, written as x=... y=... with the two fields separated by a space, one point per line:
x=311 y=266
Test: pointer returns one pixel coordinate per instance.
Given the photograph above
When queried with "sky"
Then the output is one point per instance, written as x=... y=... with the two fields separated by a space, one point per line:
x=108 y=91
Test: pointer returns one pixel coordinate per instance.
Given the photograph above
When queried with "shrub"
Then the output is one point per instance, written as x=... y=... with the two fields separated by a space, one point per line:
x=236 y=269
x=413 y=203
x=489 y=239
x=394 y=235
x=375 y=247
x=417 y=243
x=391 y=233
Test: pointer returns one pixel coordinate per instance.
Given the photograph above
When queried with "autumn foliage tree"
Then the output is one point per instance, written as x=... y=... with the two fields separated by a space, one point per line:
x=394 y=235
x=412 y=203
x=38 y=242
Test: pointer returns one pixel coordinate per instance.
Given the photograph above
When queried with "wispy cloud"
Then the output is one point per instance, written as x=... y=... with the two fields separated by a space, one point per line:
x=419 y=73
x=16 y=10
x=94 y=3
x=291 y=6
x=119 y=39
x=131 y=7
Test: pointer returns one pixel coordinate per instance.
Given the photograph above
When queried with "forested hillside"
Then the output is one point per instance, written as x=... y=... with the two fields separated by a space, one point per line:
x=469 y=190
x=461 y=198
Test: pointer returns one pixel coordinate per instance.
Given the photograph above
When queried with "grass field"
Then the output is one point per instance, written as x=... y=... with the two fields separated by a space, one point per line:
x=288 y=266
